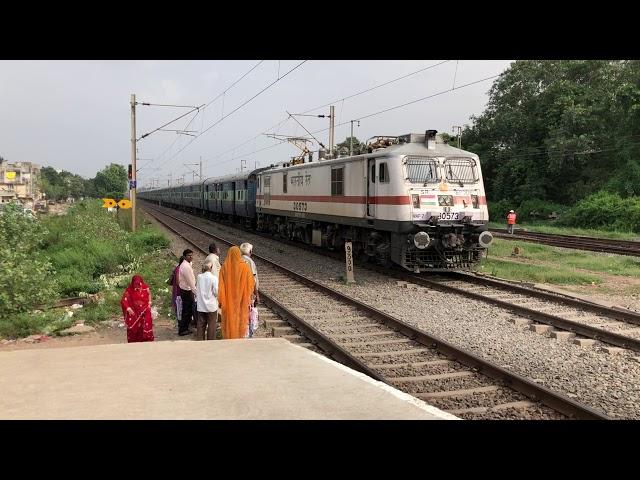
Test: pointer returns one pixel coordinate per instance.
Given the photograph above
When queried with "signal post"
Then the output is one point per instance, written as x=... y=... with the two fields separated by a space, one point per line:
x=132 y=181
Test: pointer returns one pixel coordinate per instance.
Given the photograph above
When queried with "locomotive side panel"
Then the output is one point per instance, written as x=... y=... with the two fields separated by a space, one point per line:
x=328 y=188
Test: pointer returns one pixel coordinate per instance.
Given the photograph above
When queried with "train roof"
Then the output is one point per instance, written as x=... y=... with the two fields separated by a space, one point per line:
x=410 y=144
x=419 y=148
x=233 y=176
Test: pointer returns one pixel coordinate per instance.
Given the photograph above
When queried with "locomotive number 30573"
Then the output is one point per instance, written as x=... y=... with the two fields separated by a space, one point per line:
x=300 y=206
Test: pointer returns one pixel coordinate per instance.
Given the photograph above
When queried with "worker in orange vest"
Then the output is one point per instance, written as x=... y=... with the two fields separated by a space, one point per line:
x=511 y=221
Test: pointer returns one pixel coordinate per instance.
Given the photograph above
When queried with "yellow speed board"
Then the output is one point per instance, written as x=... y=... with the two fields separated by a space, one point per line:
x=108 y=203
x=124 y=203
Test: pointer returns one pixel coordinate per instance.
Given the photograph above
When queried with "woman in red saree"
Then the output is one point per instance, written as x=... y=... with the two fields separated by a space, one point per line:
x=136 y=306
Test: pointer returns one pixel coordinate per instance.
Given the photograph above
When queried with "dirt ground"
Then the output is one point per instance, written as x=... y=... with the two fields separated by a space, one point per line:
x=163 y=329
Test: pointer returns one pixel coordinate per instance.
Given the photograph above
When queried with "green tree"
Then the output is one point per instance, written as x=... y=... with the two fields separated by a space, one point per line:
x=111 y=182
x=358 y=147
x=560 y=130
x=449 y=139
x=59 y=186
x=52 y=184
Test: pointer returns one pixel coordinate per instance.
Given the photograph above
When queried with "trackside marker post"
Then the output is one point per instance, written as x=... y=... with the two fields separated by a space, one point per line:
x=348 y=249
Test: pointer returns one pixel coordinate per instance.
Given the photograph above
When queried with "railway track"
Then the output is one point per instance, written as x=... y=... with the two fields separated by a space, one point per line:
x=561 y=316
x=392 y=351
x=574 y=319
x=604 y=245
x=67 y=302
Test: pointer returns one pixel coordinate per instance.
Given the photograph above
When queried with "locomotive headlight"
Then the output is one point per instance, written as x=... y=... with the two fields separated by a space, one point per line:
x=485 y=239
x=421 y=240
x=445 y=200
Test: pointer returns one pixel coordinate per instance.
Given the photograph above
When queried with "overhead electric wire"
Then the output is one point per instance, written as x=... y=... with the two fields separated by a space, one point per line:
x=335 y=101
x=169 y=123
x=378 y=86
x=235 y=110
x=428 y=97
x=372 y=114
x=208 y=104
x=234 y=83
x=544 y=151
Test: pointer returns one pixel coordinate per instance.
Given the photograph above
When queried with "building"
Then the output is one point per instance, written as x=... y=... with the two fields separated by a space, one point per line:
x=19 y=181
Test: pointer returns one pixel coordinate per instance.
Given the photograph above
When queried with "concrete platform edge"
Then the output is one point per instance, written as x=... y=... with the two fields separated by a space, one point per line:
x=436 y=412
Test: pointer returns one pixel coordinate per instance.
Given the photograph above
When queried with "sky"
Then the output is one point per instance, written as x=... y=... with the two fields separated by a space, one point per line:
x=76 y=116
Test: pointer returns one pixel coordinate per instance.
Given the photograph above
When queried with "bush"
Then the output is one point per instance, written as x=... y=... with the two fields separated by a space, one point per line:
x=605 y=210
x=498 y=210
x=530 y=210
x=25 y=274
x=150 y=240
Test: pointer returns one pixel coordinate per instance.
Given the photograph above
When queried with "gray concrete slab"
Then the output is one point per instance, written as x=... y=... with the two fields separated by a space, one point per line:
x=233 y=379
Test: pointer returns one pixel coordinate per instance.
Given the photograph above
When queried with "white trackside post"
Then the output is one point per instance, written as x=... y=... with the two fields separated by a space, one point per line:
x=349 y=258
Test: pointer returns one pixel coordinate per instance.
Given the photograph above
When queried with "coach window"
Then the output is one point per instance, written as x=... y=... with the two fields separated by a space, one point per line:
x=337 y=175
x=284 y=183
x=384 y=173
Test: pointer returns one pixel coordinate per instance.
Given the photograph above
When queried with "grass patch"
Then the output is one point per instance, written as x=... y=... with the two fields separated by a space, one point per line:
x=89 y=242
x=25 y=324
x=553 y=257
x=548 y=227
x=558 y=275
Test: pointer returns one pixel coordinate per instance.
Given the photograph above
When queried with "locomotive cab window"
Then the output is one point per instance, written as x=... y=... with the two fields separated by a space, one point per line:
x=337 y=181
x=373 y=173
x=284 y=182
x=384 y=173
x=460 y=170
x=422 y=170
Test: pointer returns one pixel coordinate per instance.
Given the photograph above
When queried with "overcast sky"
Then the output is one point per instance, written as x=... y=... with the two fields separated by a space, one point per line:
x=75 y=115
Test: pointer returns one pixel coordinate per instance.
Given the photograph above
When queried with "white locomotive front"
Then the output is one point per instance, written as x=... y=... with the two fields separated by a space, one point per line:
x=412 y=200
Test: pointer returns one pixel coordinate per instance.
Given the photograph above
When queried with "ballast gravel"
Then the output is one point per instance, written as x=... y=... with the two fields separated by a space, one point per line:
x=607 y=382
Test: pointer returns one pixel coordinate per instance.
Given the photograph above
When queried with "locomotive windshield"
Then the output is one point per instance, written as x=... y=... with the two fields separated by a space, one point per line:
x=460 y=170
x=422 y=169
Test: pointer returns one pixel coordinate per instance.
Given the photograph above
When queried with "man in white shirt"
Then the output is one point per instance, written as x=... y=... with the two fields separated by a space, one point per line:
x=247 y=249
x=187 y=284
x=214 y=258
x=207 y=288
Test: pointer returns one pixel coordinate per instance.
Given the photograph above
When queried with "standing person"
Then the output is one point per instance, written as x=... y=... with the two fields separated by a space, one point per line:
x=207 y=286
x=247 y=250
x=176 y=301
x=187 y=284
x=136 y=307
x=235 y=289
x=214 y=257
x=511 y=221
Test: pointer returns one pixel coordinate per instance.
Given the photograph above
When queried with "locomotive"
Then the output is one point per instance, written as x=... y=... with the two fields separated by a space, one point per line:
x=412 y=200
